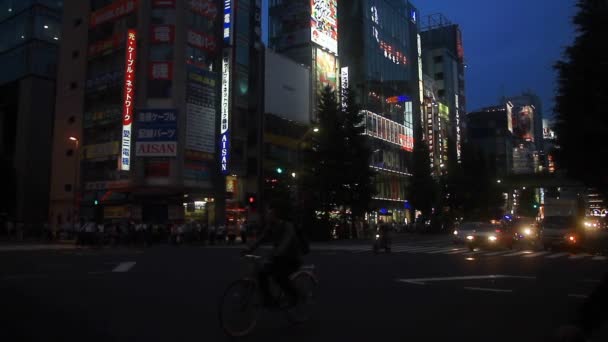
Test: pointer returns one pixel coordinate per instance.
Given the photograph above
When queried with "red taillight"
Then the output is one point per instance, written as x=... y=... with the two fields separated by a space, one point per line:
x=498 y=230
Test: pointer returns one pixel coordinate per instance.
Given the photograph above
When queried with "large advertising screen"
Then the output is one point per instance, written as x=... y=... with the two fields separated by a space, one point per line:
x=324 y=24
x=326 y=70
x=523 y=122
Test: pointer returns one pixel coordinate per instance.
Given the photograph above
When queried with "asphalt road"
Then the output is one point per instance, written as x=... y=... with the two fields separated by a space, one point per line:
x=167 y=293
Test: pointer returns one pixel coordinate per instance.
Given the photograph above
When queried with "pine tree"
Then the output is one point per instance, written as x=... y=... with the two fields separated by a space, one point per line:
x=582 y=98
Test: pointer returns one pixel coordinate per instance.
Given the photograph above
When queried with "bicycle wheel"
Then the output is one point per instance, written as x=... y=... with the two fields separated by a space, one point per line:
x=239 y=308
x=306 y=286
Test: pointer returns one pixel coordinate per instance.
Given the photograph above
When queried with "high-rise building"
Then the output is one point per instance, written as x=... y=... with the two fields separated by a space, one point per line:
x=443 y=60
x=157 y=110
x=526 y=124
x=30 y=33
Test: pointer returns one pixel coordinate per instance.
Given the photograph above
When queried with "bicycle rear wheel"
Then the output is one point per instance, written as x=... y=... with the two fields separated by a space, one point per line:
x=239 y=307
x=306 y=286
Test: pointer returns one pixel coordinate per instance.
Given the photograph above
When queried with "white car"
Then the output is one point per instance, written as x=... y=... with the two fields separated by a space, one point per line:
x=465 y=229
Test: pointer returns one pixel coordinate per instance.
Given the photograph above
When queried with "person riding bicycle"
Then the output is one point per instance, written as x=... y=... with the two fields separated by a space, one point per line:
x=286 y=256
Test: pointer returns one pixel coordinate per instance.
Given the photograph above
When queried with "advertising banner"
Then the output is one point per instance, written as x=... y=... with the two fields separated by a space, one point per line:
x=206 y=8
x=102 y=116
x=202 y=40
x=106 y=45
x=129 y=99
x=157 y=168
x=156 y=133
x=200 y=109
x=523 y=122
x=162 y=34
x=225 y=115
x=113 y=11
x=326 y=69
x=105 y=150
x=324 y=24
x=228 y=22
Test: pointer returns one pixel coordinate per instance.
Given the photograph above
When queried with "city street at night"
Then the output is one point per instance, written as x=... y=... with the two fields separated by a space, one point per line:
x=426 y=290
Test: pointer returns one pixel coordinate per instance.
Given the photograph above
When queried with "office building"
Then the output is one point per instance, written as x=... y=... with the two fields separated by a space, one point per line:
x=30 y=33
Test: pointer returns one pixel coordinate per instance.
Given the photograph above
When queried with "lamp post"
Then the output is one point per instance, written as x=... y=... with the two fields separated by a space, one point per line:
x=76 y=171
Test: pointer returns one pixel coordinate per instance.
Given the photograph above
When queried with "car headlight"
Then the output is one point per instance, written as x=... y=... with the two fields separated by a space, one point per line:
x=470 y=237
x=377 y=236
x=455 y=232
x=492 y=238
x=528 y=231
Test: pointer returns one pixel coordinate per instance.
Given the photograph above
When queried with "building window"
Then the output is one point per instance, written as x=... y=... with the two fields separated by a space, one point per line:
x=75 y=54
x=441 y=93
x=439 y=76
x=73 y=85
x=67 y=187
x=438 y=59
x=69 y=153
x=77 y=22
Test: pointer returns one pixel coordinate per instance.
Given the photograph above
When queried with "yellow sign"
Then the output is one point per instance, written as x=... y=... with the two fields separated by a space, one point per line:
x=116 y=212
x=102 y=150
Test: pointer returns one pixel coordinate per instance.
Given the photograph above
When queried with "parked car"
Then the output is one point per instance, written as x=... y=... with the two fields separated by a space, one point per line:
x=560 y=231
x=488 y=235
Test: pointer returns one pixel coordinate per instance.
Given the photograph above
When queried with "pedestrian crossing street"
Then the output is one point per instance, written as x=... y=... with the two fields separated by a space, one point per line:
x=448 y=249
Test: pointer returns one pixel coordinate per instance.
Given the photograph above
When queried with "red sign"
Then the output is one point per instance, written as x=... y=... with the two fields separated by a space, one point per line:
x=206 y=8
x=406 y=142
x=113 y=11
x=129 y=89
x=105 y=45
x=201 y=40
x=161 y=70
x=163 y=3
x=156 y=149
x=163 y=34
x=157 y=169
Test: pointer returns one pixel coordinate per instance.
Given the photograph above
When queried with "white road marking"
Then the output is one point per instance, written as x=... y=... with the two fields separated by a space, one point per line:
x=412 y=249
x=579 y=256
x=534 y=255
x=422 y=281
x=599 y=257
x=487 y=289
x=557 y=255
x=581 y=296
x=28 y=248
x=518 y=253
x=124 y=266
x=442 y=250
x=496 y=253
x=458 y=251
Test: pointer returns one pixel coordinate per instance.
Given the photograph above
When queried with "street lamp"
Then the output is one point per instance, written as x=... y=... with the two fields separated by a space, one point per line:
x=76 y=171
x=316 y=129
x=498 y=181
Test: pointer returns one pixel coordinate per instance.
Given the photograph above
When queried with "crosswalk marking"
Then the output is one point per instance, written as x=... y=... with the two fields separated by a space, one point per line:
x=599 y=258
x=517 y=253
x=459 y=251
x=442 y=250
x=534 y=255
x=579 y=256
x=496 y=253
x=557 y=255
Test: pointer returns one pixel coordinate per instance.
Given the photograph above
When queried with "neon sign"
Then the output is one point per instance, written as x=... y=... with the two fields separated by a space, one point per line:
x=129 y=99
x=225 y=115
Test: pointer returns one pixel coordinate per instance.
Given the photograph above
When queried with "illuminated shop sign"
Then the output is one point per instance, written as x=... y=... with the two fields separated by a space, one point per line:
x=113 y=11
x=160 y=70
x=225 y=115
x=129 y=99
x=227 y=21
x=413 y=15
x=324 y=24
x=344 y=83
x=163 y=34
x=201 y=40
x=398 y=99
x=390 y=131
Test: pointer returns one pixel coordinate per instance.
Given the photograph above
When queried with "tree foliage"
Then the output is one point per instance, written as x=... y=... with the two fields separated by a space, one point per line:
x=582 y=97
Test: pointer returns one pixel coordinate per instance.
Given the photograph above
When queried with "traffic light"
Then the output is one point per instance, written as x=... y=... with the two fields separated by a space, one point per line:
x=96 y=202
x=535 y=206
x=279 y=170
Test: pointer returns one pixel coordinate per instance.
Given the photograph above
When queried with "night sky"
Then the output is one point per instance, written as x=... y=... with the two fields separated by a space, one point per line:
x=510 y=46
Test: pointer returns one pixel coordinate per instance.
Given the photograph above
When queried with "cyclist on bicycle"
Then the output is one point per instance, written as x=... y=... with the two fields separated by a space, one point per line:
x=286 y=256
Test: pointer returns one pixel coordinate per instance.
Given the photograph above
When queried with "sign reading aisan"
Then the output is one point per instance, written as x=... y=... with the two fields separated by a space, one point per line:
x=129 y=99
x=225 y=116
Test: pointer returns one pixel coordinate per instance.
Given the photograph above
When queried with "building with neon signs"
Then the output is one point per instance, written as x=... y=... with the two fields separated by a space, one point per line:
x=158 y=97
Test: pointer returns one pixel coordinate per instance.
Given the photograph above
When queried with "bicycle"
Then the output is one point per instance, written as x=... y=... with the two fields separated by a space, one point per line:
x=241 y=302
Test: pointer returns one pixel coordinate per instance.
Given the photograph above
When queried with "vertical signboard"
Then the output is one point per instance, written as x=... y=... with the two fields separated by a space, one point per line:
x=225 y=115
x=200 y=110
x=129 y=99
x=324 y=24
x=228 y=22
x=344 y=84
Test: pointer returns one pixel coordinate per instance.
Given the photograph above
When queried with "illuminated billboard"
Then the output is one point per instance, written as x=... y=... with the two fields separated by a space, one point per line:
x=129 y=99
x=326 y=70
x=324 y=24
x=390 y=131
x=523 y=122
x=225 y=115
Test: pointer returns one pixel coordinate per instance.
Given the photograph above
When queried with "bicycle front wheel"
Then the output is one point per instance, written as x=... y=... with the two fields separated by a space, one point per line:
x=305 y=284
x=239 y=308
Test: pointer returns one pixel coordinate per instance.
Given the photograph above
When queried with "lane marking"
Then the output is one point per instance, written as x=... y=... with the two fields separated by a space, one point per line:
x=557 y=255
x=124 y=266
x=517 y=253
x=599 y=257
x=496 y=253
x=534 y=255
x=579 y=256
x=487 y=289
x=422 y=281
x=413 y=249
x=440 y=250
x=580 y=296
x=458 y=251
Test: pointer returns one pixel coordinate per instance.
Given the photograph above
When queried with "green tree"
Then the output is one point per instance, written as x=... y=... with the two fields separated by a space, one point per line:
x=358 y=186
x=527 y=203
x=424 y=189
x=582 y=98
